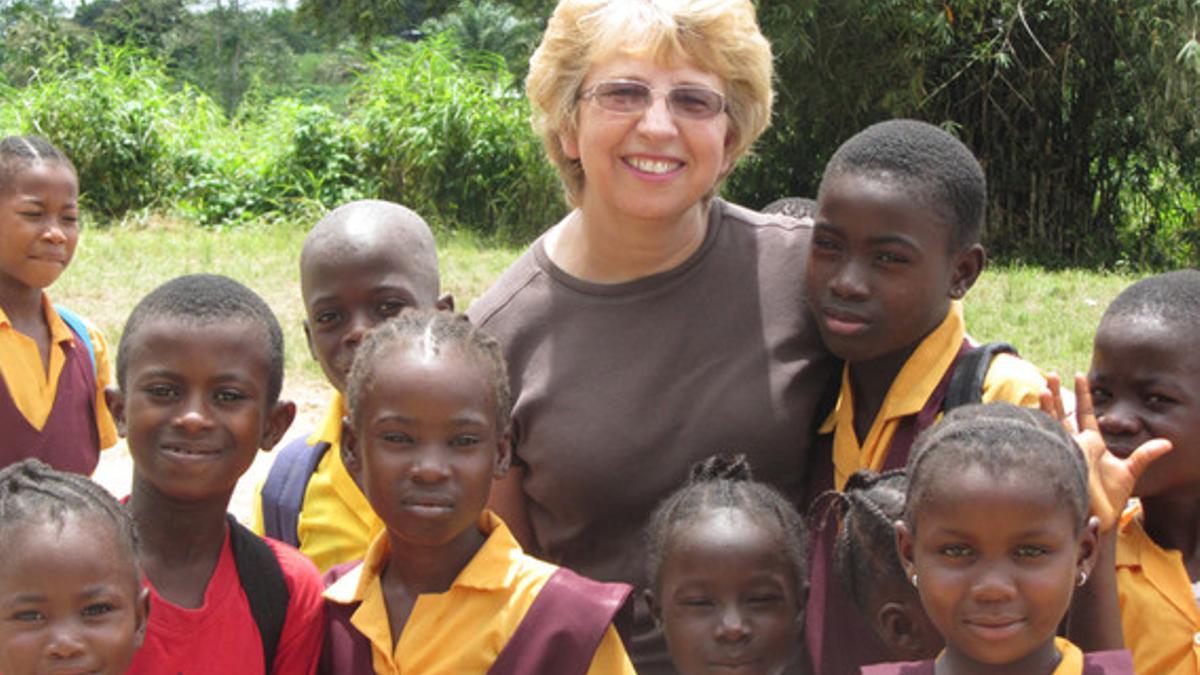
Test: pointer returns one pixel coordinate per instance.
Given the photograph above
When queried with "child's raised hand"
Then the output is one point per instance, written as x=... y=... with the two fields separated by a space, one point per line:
x=1111 y=479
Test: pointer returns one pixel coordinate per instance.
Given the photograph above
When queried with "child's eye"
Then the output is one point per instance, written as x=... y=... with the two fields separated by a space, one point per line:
x=98 y=609
x=765 y=599
x=390 y=307
x=889 y=258
x=229 y=395
x=696 y=602
x=396 y=437
x=1030 y=551
x=1158 y=400
x=826 y=244
x=30 y=214
x=323 y=318
x=160 y=391
x=1100 y=394
x=956 y=551
x=464 y=440
x=27 y=616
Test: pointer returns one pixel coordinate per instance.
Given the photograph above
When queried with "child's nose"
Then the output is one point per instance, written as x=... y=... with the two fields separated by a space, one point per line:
x=194 y=416
x=429 y=468
x=850 y=282
x=1118 y=419
x=732 y=626
x=64 y=643
x=55 y=234
x=994 y=584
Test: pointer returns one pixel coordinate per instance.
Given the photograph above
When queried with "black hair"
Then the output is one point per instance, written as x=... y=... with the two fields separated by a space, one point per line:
x=32 y=491
x=864 y=551
x=796 y=207
x=17 y=152
x=934 y=165
x=195 y=299
x=1173 y=297
x=1003 y=439
x=719 y=482
x=433 y=331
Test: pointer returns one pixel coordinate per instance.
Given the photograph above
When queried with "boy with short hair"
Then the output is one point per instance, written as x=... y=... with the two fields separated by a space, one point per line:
x=361 y=264
x=1145 y=384
x=895 y=246
x=200 y=368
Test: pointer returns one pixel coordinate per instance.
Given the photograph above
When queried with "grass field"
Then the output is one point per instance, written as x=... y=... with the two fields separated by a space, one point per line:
x=1048 y=316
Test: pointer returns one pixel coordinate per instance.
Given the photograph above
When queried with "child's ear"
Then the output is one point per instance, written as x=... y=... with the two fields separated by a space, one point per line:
x=655 y=608
x=1089 y=549
x=445 y=303
x=350 y=456
x=115 y=400
x=906 y=634
x=312 y=350
x=278 y=421
x=904 y=549
x=142 y=616
x=503 y=454
x=968 y=264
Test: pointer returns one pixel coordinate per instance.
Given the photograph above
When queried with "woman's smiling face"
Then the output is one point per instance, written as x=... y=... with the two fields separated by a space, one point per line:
x=651 y=165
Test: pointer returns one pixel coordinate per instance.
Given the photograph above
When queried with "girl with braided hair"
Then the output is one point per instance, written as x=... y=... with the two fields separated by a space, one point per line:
x=70 y=595
x=725 y=560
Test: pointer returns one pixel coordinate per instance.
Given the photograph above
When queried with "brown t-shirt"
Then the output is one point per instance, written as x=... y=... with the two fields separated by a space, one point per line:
x=620 y=388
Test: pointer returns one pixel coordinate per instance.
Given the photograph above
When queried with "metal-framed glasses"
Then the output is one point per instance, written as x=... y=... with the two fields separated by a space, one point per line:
x=689 y=101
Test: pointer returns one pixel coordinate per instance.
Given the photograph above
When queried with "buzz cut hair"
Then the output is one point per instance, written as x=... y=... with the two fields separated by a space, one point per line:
x=934 y=165
x=1172 y=297
x=201 y=299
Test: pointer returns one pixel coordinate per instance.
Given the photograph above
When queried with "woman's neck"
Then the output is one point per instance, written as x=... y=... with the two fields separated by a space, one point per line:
x=589 y=244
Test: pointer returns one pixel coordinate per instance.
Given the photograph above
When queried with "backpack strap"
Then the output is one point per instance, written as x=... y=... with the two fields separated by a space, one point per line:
x=283 y=491
x=79 y=328
x=263 y=582
x=966 y=385
x=563 y=628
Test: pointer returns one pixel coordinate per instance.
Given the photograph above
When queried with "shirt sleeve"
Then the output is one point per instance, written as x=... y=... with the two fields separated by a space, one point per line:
x=105 y=425
x=611 y=658
x=1014 y=380
x=304 y=629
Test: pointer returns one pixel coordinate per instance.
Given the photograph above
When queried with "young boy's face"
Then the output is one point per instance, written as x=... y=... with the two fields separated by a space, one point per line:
x=69 y=597
x=425 y=446
x=1145 y=382
x=194 y=408
x=881 y=273
x=348 y=290
x=38 y=225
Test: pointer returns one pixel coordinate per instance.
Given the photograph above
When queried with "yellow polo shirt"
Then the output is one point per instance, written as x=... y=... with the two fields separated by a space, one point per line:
x=1159 y=615
x=1008 y=379
x=33 y=388
x=463 y=629
x=336 y=523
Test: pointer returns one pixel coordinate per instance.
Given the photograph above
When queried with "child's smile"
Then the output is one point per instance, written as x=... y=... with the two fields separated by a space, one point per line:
x=996 y=559
x=426 y=446
x=195 y=408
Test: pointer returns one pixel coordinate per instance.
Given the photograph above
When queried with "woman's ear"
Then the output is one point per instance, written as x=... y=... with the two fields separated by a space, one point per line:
x=569 y=140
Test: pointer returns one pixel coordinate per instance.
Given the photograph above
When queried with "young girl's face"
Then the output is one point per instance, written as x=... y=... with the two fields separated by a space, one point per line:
x=727 y=596
x=996 y=560
x=426 y=447
x=70 y=601
x=38 y=224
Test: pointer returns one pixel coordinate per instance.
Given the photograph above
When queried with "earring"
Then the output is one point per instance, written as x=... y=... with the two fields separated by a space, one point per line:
x=1082 y=578
x=914 y=580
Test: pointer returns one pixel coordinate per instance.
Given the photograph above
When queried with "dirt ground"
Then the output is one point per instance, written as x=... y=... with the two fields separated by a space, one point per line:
x=115 y=471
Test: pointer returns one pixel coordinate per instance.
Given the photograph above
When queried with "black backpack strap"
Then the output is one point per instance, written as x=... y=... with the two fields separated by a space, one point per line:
x=262 y=580
x=966 y=385
x=283 y=491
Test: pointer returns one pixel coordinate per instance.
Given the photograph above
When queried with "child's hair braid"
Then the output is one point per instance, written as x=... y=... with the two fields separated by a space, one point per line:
x=725 y=481
x=431 y=331
x=31 y=490
x=864 y=552
x=20 y=151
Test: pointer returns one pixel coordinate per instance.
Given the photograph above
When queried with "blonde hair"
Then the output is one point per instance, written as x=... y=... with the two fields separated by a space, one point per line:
x=718 y=36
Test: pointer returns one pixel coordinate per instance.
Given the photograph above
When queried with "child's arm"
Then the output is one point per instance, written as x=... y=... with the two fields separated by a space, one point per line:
x=1095 y=617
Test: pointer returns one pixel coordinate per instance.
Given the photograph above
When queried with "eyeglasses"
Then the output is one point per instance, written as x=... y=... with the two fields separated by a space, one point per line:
x=691 y=102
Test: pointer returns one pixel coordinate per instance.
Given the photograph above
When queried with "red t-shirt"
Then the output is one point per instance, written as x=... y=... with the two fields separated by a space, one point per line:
x=221 y=638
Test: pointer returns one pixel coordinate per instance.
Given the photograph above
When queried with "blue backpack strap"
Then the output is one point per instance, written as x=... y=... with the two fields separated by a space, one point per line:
x=264 y=584
x=283 y=491
x=77 y=326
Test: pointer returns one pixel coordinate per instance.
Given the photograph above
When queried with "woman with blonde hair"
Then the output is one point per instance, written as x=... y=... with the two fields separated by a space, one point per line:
x=655 y=324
